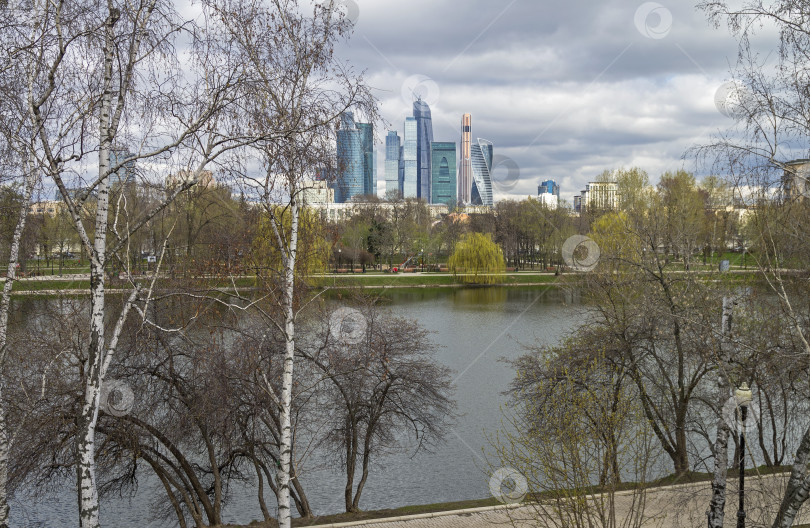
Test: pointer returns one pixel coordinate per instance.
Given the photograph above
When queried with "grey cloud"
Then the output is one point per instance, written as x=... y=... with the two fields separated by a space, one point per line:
x=565 y=89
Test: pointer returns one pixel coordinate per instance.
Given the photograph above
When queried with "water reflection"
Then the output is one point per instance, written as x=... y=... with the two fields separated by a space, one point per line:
x=474 y=329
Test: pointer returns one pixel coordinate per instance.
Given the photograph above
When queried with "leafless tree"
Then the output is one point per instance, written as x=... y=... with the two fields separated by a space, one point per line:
x=383 y=386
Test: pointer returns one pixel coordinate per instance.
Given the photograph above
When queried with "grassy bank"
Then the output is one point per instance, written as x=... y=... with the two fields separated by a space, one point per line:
x=344 y=281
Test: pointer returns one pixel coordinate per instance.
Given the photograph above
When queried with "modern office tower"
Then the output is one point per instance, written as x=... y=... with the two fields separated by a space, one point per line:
x=392 y=162
x=578 y=203
x=367 y=132
x=481 y=161
x=410 y=184
x=548 y=193
x=424 y=137
x=126 y=172
x=350 y=181
x=464 y=163
x=549 y=187
x=443 y=186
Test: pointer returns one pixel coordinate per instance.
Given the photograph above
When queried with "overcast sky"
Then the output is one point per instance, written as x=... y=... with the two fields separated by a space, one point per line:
x=565 y=89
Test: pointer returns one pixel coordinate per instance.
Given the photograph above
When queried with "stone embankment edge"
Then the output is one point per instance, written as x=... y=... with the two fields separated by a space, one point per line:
x=482 y=509
x=429 y=515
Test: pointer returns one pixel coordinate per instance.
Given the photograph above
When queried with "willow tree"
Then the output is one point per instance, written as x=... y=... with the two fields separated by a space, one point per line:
x=477 y=260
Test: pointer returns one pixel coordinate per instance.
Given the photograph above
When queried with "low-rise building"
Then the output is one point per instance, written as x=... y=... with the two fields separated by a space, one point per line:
x=795 y=184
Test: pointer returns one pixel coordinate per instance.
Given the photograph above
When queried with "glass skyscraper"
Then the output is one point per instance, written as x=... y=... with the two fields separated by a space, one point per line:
x=410 y=184
x=481 y=161
x=392 y=150
x=443 y=168
x=351 y=179
x=367 y=133
x=424 y=136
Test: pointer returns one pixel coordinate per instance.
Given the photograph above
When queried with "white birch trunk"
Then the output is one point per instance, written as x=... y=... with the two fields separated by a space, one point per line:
x=285 y=449
x=716 y=513
x=86 y=434
x=5 y=304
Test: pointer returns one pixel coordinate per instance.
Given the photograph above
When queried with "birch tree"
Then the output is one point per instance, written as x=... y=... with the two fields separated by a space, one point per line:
x=298 y=92
x=769 y=98
x=29 y=184
x=96 y=77
x=15 y=159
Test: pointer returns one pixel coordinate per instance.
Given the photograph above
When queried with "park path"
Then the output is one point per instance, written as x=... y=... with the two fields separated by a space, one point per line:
x=680 y=506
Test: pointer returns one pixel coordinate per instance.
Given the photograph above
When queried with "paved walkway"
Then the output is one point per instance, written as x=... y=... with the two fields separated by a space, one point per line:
x=678 y=506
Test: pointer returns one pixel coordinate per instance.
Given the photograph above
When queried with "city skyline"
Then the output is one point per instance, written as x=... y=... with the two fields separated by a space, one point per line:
x=565 y=93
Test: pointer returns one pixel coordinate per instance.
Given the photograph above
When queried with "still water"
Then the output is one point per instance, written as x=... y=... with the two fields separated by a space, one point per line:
x=475 y=329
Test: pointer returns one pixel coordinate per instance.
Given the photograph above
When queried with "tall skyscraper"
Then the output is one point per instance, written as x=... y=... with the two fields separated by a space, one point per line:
x=464 y=164
x=392 y=162
x=367 y=133
x=410 y=184
x=443 y=166
x=351 y=179
x=424 y=137
x=481 y=161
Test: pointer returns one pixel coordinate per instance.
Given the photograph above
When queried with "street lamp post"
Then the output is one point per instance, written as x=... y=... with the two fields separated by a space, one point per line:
x=743 y=397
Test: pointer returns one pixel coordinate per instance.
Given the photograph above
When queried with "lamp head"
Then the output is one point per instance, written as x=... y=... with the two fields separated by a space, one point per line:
x=743 y=395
